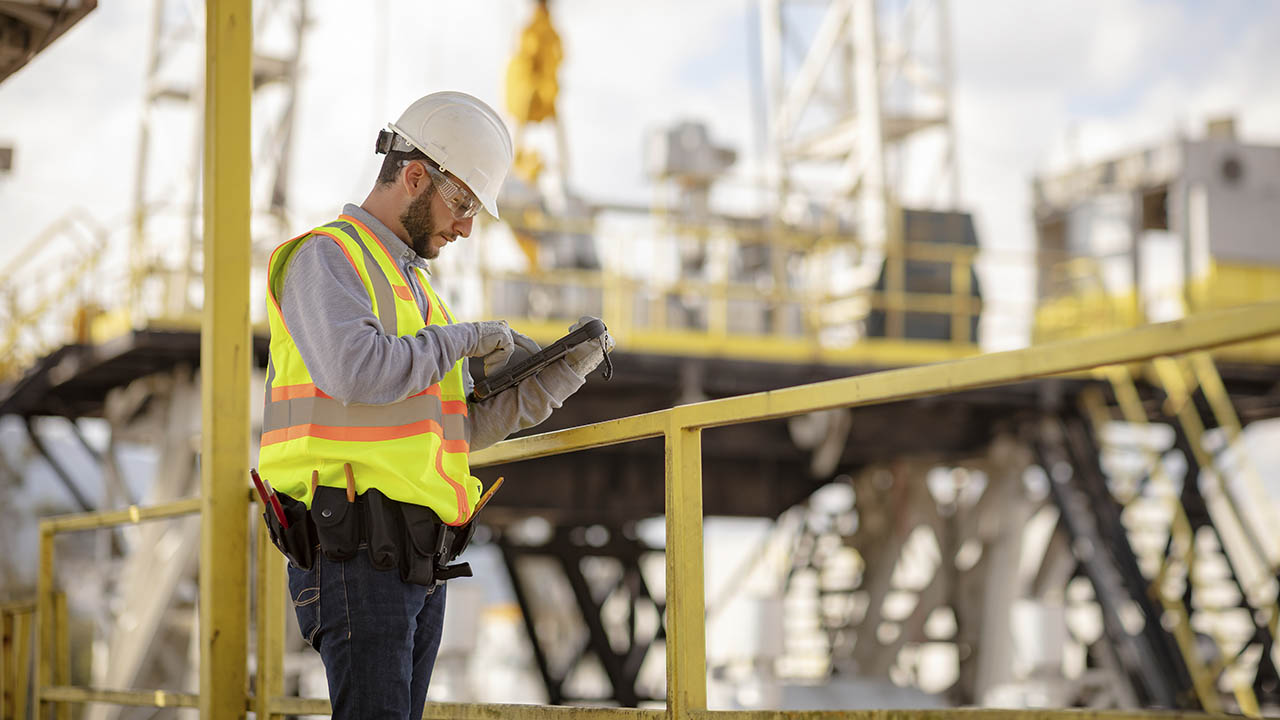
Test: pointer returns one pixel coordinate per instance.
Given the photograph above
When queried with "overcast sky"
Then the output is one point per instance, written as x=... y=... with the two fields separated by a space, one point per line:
x=1110 y=74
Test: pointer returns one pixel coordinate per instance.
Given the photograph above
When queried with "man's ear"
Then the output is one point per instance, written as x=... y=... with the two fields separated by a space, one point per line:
x=414 y=178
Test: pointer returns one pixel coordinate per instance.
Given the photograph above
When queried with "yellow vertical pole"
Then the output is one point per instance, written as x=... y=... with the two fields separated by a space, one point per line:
x=961 y=310
x=270 y=679
x=62 y=651
x=686 y=603
x=225 y=357
x=8 y=662
x=21 y=670
x=44 y=621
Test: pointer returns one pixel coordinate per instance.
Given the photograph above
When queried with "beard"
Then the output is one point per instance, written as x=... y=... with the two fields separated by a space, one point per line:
x=419 y=225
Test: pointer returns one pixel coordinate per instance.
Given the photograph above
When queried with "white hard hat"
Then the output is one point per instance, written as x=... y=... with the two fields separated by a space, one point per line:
x=463 y=136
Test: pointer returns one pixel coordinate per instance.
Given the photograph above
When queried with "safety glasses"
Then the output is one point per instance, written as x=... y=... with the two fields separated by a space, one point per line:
x=457 y=198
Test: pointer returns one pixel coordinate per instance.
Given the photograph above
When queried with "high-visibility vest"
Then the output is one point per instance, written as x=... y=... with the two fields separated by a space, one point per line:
x=414 y=450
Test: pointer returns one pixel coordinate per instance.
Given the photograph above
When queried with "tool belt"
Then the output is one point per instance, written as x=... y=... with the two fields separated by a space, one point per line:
x=410 y=538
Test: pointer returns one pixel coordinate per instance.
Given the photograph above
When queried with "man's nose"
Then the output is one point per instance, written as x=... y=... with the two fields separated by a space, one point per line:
x=463 y=227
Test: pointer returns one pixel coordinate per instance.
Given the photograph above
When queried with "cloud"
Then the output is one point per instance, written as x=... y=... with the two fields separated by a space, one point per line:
x=1114 y=74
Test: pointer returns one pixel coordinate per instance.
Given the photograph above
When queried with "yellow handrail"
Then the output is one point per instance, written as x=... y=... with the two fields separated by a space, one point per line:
x=681 y=428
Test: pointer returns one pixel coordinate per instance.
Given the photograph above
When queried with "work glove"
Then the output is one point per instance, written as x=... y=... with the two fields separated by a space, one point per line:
x=495 y=342
x=525 y=343
x=585 y=356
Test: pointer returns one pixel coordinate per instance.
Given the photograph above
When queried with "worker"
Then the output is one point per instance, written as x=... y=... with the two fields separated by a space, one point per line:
x=367 y=427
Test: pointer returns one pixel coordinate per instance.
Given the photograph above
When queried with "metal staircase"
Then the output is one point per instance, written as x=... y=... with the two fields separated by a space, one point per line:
x=1205 y=559
x=1092 y=519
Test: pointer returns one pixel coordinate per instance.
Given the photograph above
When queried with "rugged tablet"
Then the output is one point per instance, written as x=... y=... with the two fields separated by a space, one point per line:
x=512 y=375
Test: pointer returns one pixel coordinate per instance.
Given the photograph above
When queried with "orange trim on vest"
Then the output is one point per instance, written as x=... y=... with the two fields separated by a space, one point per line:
x=451 y=407
x=427 y=295
x=301 y=390
x=364 y=434
x=271 y=262
x=342 y=247
x=402 y=292
x=459 y=492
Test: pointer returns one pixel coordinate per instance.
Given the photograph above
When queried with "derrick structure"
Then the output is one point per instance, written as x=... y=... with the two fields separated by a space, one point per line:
x=859 y=121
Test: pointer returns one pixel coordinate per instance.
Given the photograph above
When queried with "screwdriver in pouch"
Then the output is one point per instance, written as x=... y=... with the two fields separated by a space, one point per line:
x=269 y=499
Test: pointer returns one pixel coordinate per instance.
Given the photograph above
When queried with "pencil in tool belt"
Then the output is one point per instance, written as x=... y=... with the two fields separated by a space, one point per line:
x=487 y=494
x=269 y=499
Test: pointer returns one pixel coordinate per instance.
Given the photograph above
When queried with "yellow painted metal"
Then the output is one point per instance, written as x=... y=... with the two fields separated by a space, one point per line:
x=135 y=698
x=1177 y=378
x=962 y=303
x=1078 y=303
x=15 y=654
x=61 y=651
x=686 y=602
x=1203 y=331
x=1228 y=284
x=878 y=352
x=53 y=649
x=1173 y=376
x=458 y=711
x=531 y=75
x=681 y=427
x=955 y=714
x=8 y=663
x=1181 y=548
x=1206 y=374
x=130 y=515
x=226 y=354
x=22 y=670
x=44 y=621
x=488 y=711
x=601 y=434
x=994 y=369
x=1081 y=314
x=270 y=625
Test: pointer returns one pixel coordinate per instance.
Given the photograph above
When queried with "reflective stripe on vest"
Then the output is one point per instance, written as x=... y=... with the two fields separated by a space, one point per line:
x=414 y=450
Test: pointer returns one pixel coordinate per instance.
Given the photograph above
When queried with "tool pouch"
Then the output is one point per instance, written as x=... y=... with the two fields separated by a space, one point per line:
x=386 y=532
x=421 y=532
x=298 y=542
x=460 y=537
x=452 y=541
x=339 y=524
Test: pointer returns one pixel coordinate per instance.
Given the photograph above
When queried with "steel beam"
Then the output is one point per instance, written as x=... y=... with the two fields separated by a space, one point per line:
x=226 y=353
x=621 y=665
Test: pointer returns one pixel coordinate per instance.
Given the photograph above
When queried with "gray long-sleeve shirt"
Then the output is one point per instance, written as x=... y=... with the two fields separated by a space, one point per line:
x=352 y=359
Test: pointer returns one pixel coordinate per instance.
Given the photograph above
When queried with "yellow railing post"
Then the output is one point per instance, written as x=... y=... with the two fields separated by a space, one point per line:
x=22 y=669
x=269 y=683
x=44 y=621
x=15 y=652
x=61 y=651
x=686 y=605
x=8 y=663
x=225 y=357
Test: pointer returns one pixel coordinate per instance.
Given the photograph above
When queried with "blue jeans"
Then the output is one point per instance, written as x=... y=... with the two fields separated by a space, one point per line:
x=376 y=634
